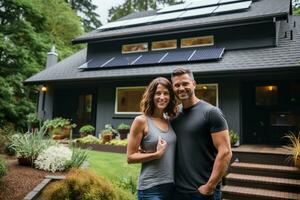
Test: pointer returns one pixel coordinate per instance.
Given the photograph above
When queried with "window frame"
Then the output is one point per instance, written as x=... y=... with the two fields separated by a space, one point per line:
x=167 y=48
x=141 y=43
x=199 y=45
x=116 y=99
x=198 y=85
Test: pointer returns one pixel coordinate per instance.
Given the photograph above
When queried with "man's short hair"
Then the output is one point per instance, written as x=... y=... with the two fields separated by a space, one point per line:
x=181 y=71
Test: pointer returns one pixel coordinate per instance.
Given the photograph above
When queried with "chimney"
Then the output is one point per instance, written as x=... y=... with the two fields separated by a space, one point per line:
x=51 y=57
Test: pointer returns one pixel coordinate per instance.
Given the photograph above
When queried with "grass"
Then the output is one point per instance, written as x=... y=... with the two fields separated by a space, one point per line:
x=112 y=165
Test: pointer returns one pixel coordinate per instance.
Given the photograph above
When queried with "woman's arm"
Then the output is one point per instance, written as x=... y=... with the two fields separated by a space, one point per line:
x=135 y=137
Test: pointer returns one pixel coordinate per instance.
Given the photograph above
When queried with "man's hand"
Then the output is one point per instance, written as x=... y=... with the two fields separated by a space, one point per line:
x=206 y=190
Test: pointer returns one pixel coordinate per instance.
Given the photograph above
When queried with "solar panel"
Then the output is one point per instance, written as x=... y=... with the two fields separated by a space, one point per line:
x=150 y=58
x=99 y=62
x=177 y=56
x=207 y=54
x=233 y=7
x=198 y=12
x=202 y=3
x=113 y=25
x=173 y=8
x=122 y=60
x=227 y=1
x=166 y=16
x=141 y=20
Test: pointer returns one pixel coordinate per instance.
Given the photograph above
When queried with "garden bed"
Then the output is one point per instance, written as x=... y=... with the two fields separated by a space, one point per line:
x=104 y=147
x=20 y=180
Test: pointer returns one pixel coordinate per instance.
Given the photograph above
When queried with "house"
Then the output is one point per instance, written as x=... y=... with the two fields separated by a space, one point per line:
x=244 y=54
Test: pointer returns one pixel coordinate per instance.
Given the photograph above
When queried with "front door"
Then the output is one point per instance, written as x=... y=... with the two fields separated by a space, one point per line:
x=270 y=111
x=77 y=105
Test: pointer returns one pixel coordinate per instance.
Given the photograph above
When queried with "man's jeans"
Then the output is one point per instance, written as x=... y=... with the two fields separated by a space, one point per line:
x=158 y=192
x=198 y=196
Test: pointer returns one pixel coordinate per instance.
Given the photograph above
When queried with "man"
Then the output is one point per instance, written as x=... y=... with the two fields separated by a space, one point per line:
x=203 y=146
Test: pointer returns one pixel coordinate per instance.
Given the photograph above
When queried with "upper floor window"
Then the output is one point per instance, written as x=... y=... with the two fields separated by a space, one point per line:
x=128 y=99
x=197 y=41
x=133 y=48
x=163 y=45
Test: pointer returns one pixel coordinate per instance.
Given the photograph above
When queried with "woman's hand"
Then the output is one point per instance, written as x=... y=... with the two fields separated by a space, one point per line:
x=161 y=147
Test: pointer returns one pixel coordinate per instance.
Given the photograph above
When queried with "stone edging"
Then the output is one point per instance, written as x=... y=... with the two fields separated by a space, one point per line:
x=37 y=190
x=104 y=147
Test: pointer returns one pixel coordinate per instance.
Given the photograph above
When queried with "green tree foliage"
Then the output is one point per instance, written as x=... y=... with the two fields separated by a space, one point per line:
x=28 y=29
x=131 y=6
x=85 y=9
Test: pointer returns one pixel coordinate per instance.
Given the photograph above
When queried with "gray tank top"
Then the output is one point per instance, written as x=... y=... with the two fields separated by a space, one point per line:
x=159 y=171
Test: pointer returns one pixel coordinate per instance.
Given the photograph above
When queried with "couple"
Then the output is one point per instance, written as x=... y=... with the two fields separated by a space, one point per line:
x=190 y=147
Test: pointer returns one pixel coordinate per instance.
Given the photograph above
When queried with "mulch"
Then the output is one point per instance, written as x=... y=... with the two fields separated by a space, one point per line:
x=20 y=180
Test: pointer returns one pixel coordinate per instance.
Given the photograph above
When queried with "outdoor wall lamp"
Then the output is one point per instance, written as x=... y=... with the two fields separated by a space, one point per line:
x=44 y=88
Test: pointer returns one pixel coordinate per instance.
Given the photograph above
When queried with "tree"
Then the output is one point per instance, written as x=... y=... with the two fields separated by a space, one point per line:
x=131 y=6
x=85 y=9
x=28 y=29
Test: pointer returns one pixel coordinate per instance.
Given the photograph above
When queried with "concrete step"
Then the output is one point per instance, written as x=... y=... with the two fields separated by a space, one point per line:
x=265 y=170
x=263 y=182
x=242 y=193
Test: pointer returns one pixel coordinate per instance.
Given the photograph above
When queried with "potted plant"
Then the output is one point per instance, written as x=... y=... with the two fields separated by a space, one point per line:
x=106 y=135
x=234 y=138
x=112 y=130
x=59 y=127
x=123 y=130
x=295 y=147
x=33 y=121
x=86 y=130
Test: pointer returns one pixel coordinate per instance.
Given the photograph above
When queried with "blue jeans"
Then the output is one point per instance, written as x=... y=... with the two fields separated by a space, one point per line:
x=198 y=196
x=158 y=192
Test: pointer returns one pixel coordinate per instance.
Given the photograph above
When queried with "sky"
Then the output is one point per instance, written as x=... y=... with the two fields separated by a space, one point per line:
x=104 y=6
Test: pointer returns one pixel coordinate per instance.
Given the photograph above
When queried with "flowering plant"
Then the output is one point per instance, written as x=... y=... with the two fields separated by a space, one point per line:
x=53 y=159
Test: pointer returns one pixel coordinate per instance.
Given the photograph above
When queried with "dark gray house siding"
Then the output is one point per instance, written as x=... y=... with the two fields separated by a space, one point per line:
x=261 y=49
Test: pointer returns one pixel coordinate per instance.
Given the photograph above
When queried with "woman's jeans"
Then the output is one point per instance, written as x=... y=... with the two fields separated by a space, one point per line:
x=158 y=192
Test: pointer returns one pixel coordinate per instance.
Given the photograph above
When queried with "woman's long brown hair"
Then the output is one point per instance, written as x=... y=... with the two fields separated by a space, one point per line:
x=147 y=104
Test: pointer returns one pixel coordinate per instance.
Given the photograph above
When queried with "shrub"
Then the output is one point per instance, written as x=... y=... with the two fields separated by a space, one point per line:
x=3 y=168
x=294 y=146
x=53 y=159
x=118 y=142
x=30 y=145
x=79 y=156
x=5 y=132
x=83 y=185
x=88 y=140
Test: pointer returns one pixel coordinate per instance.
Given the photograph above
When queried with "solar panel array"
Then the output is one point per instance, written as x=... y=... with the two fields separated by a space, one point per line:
x=183 y=11
x=154 y=58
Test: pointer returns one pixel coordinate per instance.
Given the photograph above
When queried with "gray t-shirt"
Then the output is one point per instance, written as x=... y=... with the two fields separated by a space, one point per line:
x=158 y=171
x=195 y=152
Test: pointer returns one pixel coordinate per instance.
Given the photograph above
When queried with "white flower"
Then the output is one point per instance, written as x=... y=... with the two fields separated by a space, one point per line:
x=54 y=158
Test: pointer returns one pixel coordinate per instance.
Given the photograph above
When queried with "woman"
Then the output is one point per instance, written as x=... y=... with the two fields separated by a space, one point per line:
x=153 y=133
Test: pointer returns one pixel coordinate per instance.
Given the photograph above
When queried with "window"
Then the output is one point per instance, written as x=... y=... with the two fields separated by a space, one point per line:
x=128 y=100
x=133 y=48
x=266 y=95
x=197 y=41
x=208 y=92
x=162 y=45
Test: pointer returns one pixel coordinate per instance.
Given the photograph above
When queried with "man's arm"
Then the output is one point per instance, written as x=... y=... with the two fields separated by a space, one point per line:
x=221 y=142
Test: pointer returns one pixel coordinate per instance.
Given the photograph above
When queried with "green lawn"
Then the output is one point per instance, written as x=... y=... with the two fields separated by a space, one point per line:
x=112 y=165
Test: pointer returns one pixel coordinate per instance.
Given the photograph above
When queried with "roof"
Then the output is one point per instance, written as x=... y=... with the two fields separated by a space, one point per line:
x=258 y=10
x=285 y=55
